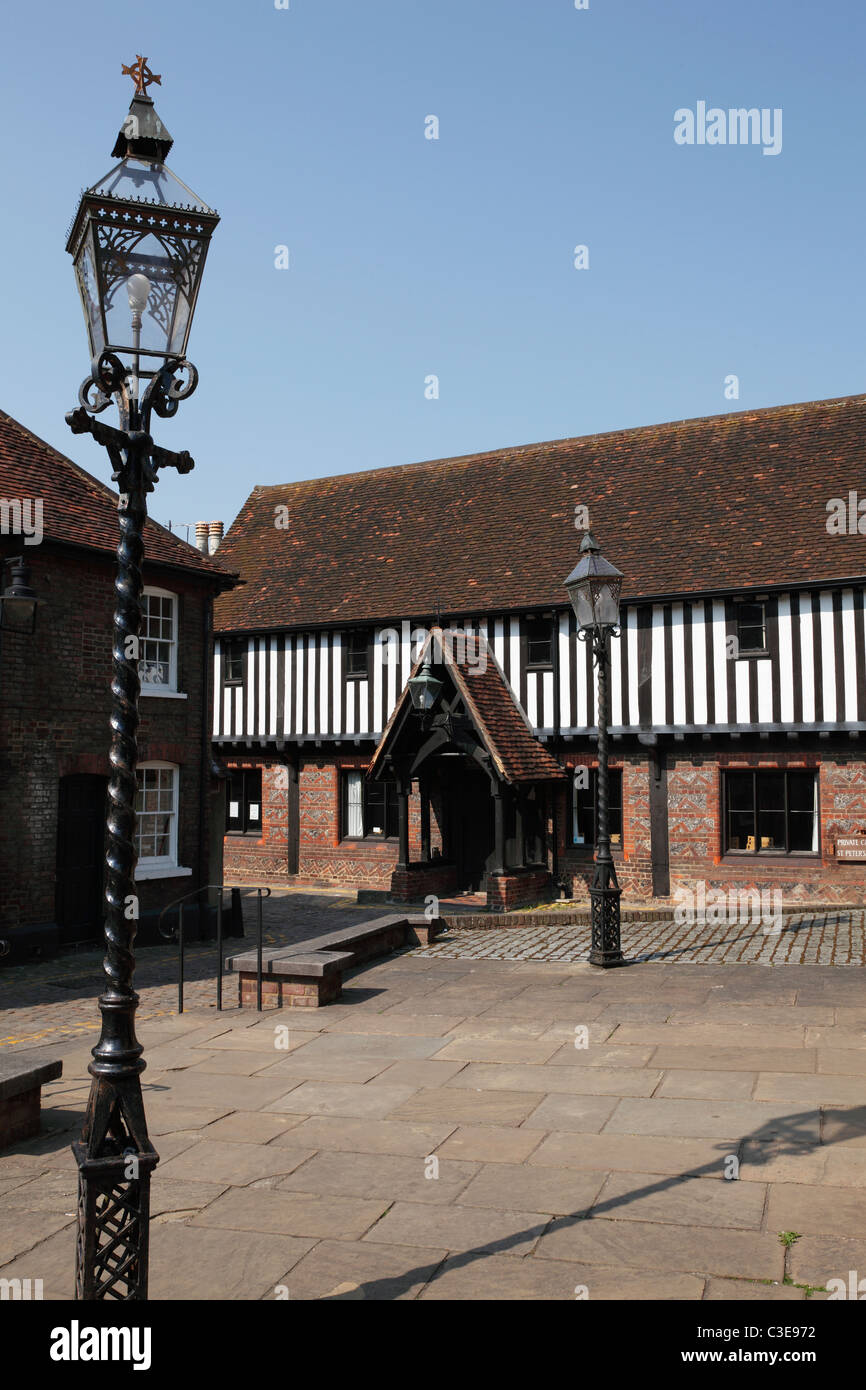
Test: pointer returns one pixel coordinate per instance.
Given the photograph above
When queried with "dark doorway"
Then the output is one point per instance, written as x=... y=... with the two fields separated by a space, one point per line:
x=470 y=821
x=80 y=857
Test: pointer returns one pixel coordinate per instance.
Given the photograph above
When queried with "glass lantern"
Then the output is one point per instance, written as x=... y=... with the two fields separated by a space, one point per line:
x=138 y=242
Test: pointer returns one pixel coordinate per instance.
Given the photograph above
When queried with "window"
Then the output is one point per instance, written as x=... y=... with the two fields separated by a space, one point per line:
x=770 y=812
x=539 y=642
x=357 y=654
x=157 y=667
x=244 y=801
x=751 y=628
x=156 y=815
x=369 y=808
x=585 y=806
x=234 y=652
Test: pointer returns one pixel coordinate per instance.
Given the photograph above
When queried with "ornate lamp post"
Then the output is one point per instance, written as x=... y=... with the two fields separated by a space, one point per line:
x=594 y=589
x=138 y=241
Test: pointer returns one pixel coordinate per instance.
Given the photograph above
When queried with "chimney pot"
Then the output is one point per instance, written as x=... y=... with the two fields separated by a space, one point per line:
x=201 y=537
x=215 y=535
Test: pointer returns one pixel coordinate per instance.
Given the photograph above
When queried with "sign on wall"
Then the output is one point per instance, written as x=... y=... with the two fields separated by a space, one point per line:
x=851 y=847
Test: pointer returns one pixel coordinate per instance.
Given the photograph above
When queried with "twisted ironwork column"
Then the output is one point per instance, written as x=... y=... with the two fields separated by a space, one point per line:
x=114 y=1154
x=604 y=894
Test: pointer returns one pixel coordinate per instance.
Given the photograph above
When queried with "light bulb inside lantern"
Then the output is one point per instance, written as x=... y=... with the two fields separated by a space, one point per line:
x=138 y=289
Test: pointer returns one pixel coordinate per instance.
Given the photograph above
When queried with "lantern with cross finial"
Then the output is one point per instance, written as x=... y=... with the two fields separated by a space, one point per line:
x=138 y=241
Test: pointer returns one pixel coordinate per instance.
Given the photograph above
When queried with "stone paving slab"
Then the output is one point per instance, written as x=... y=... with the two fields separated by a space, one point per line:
x=382 y=1175
x=815 y=1259
x=220 y=1161
x=372 y=1101
x=721 y=1119
x=346 y=1135
x=551 y=1190
x=623 y=1153
x=587 y=1081
x=814 y=1210
x=292 y=1213
x=580 y=1114
x=498 y=1277
x=701 y=1085
x=468 y=1107
x=340 y=1271
x=671 y=1248
x=682 y=1201
x=490 y=1144
x=505 y=1232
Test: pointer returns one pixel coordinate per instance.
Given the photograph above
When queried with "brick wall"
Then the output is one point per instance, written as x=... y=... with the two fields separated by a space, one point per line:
x=695 y=792
x=54 y=721
x=324 y=857
x=262 y=859
x=695 y=829
x=633 y=857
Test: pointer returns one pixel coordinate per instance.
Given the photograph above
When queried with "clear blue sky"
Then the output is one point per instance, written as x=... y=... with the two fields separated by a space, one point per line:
x=409 y=256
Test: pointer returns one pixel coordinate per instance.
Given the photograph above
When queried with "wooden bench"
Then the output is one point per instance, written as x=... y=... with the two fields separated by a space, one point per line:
x=22 y=1076
x=312 y=975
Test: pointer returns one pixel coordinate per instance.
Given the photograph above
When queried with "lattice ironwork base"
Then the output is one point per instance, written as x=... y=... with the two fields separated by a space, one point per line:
x=606 y=949
x=113 y=1225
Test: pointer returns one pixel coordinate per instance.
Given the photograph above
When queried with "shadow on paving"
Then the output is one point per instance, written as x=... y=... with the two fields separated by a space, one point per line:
x=788 y=1136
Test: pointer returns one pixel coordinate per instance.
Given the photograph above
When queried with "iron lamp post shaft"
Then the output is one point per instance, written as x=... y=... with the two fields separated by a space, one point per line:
x=606 y=948
x=114 y=1154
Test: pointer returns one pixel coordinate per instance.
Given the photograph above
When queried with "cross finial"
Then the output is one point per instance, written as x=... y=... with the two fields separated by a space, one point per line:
x=141 y=75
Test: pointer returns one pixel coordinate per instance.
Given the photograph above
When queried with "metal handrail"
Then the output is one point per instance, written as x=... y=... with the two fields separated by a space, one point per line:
x=177 y=933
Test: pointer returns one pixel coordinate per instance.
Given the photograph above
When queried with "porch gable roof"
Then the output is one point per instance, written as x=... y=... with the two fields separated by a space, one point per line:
x=500 y=724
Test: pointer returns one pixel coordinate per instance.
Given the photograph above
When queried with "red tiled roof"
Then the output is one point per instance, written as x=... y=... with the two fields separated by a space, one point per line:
x=727 y=502
x=78 y=509
x=499 y=721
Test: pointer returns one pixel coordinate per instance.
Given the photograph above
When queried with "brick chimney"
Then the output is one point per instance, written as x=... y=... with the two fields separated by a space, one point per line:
x=215 y=535
x=201 y=537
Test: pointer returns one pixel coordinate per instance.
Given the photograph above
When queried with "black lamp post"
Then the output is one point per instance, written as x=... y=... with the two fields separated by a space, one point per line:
x=138 y=241
x=594 y=588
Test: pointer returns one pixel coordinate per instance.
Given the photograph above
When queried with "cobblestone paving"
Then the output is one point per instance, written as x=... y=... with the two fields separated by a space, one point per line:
x=53 y=1000
x=822 y=939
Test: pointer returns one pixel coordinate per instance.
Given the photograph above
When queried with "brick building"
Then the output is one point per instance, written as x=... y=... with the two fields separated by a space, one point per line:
x=55 y=701
x=738 y=680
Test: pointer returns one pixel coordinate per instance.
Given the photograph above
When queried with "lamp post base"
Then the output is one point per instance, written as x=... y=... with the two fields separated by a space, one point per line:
x=606 y=949
x=113 y=1224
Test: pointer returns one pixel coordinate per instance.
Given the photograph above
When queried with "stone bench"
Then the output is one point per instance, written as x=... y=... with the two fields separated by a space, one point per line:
x=22 y=1076
x=312 y=975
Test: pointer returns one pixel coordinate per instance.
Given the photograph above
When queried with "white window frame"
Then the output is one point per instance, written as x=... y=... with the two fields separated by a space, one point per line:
x=163 y=865
x=170 y=687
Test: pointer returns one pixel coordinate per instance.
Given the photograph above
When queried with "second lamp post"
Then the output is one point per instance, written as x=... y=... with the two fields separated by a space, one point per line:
x=594 y=587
